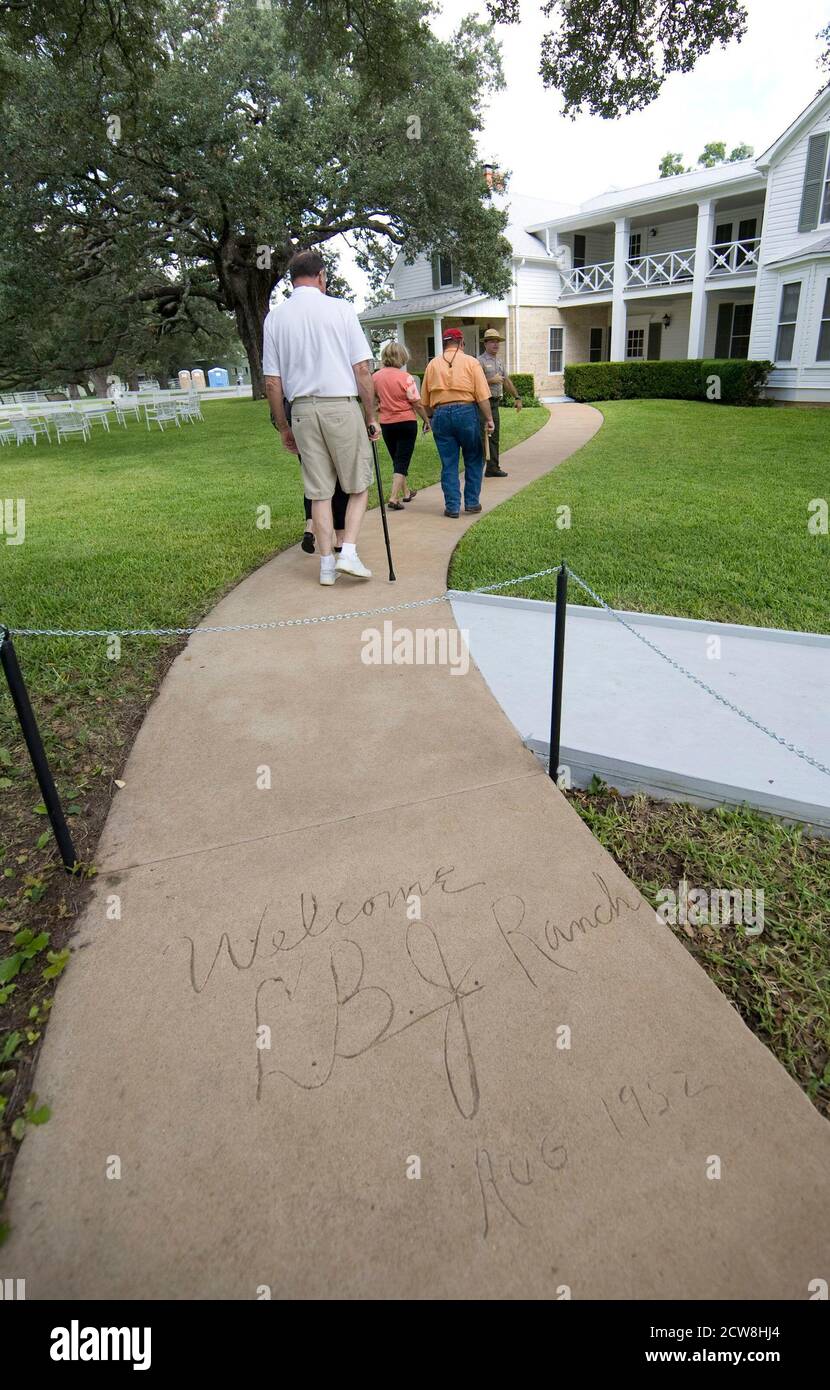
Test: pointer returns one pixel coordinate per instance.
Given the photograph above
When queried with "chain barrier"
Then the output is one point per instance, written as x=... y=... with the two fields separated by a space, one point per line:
x=263 y=627
x=230 y=627
x=426 y=603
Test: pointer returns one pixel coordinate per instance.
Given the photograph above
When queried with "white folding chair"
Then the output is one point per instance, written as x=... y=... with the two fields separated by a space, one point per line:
x=98 y=412
x=69 y=424
x=189 y=408
x=24 y=430
x=40 y=425
x=162 y=411
x=124 y=406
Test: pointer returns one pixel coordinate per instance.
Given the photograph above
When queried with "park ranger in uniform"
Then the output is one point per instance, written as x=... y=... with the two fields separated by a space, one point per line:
x=497 y=378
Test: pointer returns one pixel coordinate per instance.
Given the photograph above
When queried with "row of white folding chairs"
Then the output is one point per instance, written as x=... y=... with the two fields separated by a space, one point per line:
x=23 y=431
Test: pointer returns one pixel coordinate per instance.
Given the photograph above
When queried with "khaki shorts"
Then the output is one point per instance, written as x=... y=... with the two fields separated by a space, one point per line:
x=331 y=436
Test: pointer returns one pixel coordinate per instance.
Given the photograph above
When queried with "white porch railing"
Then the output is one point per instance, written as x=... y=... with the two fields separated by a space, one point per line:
x=734 y=257
x=668 y=268
x=588 y=279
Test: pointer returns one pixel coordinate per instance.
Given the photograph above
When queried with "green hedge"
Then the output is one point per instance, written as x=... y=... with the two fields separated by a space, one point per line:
x=732 y=381
x=526 y=387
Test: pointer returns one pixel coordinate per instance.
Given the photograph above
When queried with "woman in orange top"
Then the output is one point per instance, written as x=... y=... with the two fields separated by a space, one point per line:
x=399 y=401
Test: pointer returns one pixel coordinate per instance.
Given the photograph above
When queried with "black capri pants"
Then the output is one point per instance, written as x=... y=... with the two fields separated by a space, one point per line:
x=400 y=438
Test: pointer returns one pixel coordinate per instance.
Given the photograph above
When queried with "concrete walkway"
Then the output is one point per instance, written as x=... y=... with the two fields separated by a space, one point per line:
x=407 y=956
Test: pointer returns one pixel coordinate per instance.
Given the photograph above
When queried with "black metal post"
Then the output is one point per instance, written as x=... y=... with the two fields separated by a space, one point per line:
x=31 y=733
x=383 y=512
x=558 y=670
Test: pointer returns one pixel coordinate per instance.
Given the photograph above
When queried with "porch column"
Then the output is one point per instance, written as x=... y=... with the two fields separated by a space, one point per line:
x=622 y=227
x=697 y=314
x=436 y=332
x=400 y=332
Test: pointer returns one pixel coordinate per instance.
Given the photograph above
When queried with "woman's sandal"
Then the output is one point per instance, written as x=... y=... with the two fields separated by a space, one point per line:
x=413 y=493
x=307 y=543
x=395 y=506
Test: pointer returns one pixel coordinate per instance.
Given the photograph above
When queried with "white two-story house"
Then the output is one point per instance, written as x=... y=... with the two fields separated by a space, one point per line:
x=726 y=262
x=427 y=298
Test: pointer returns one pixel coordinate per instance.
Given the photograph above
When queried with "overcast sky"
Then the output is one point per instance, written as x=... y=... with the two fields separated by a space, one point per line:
x=749 y=91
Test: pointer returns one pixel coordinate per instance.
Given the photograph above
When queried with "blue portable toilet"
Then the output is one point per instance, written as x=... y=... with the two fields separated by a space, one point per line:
x=217 y=376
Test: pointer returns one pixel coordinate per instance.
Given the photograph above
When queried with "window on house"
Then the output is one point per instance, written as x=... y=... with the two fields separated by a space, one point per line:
x=635 y=246
x=430 y=347
x=445 y=271
x=723 y=233
x=595 y=345
x=556 y=349
x=823 y=351
x=579 y=251
x=733 y=329
x=741 y=328
x=635 y=342
x=747 y=231
x=787 y=319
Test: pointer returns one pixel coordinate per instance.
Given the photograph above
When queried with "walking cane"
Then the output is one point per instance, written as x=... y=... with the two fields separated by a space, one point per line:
x=383 y=512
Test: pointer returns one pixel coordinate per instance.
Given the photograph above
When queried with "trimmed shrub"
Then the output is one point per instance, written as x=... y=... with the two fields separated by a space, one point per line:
x=526 y=387
x=740 y=382
x=733 y=381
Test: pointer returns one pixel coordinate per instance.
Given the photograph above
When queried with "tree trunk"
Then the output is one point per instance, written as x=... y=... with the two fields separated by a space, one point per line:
x=249 y=321
x=98 y=377
x=248 y=273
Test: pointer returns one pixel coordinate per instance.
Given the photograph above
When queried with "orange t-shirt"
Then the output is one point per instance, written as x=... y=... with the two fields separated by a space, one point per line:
x=395 y=390
x=456 y=378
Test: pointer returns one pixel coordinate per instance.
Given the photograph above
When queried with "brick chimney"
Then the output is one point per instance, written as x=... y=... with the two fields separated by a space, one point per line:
x=493 y=177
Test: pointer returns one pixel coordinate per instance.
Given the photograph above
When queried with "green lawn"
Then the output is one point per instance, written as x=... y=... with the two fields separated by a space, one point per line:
x=677 y=507
x=700 y=510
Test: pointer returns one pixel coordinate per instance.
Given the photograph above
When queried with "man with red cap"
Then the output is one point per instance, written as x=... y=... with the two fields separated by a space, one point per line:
x=453 y=391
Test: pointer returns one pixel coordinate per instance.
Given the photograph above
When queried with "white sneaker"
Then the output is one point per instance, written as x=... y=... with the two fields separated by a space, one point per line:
x=353 y=565
x=328 y=576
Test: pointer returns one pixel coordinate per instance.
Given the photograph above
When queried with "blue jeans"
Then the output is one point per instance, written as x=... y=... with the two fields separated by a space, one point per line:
x=458 y=427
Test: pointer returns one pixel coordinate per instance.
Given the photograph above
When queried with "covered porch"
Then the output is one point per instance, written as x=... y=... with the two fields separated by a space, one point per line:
x=420 y=324
x=658 y=327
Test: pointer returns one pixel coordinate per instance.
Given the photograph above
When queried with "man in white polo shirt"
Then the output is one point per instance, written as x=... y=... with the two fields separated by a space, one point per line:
x=316 y=356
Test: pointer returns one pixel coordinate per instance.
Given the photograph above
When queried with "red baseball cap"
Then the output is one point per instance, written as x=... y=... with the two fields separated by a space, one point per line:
x=454 y=334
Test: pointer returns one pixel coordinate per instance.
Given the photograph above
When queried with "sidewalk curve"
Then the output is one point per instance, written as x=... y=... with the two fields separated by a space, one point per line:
x=396 y=1026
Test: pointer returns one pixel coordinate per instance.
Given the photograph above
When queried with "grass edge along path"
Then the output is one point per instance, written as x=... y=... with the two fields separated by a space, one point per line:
x=137 y=528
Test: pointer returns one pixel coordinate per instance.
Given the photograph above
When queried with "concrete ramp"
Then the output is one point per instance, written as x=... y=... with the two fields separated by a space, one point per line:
x=396 y=1026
